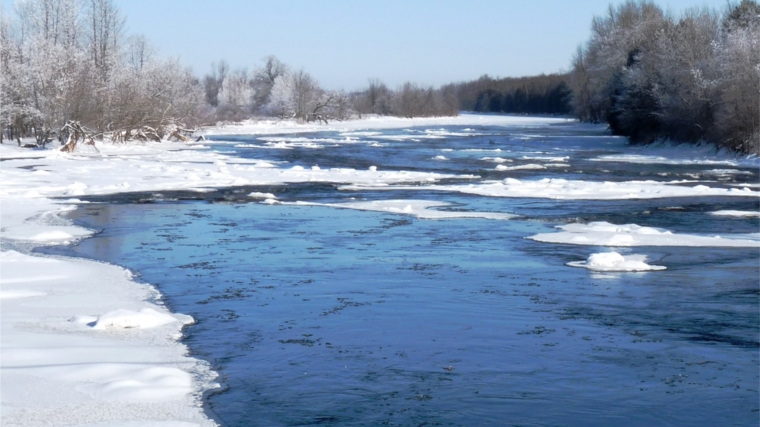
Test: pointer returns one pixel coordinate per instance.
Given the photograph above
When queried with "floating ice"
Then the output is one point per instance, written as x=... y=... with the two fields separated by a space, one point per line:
x=727 y=172
x=736 y=213
x=423 y=209
x=606 y=234
x=529 y=166
x=613 y=261
x=257 y=195
x=555 y=188
x=496 y=159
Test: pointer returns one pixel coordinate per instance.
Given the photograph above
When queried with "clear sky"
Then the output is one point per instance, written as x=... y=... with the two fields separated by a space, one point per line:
x=343 y=43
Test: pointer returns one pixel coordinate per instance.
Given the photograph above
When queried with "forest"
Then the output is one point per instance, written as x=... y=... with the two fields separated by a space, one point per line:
x=70 y=71
x=692 y=77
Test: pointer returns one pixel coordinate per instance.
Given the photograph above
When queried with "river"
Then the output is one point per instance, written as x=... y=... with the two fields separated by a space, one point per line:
x=314 y=314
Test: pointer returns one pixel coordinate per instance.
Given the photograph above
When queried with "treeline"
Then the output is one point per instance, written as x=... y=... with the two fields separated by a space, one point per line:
x=69 y=70
x=544 y=94
x=273 y=89
x=693 y=77
x=67 y=61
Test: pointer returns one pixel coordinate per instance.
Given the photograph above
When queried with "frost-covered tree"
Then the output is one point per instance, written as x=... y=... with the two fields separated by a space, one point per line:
x=263 y=81
x=693 y=77
x=139 y=52
x=105 y=32
x=212 y=83
x=297 y=95
x=738 y=59
x=235 y=96
x=64 y=61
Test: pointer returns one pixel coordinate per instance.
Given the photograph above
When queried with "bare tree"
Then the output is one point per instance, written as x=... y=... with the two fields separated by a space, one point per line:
x=106 y=26
x=212 y=83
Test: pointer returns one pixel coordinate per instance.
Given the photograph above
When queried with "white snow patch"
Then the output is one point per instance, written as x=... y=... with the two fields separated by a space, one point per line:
x=257 y=195
x=496 y=159
x=613 y=261
x=607 y=234
x=736 y=213
x=529 y=166
x=48 y=236
x=128 y=319
x=19 y=293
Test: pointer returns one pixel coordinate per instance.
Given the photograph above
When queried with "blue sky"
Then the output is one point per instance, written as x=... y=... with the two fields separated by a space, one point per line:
x=343 y=43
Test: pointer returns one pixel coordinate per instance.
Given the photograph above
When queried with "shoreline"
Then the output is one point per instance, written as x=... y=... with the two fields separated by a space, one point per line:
x=218 y=386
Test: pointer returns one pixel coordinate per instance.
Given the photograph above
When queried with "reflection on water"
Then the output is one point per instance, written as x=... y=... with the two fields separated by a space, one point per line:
x=320 y=316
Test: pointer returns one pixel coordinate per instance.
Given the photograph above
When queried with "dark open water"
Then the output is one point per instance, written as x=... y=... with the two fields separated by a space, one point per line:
x=323 y=316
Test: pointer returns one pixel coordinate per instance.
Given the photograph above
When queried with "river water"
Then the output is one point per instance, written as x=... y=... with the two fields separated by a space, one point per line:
x=315 y=315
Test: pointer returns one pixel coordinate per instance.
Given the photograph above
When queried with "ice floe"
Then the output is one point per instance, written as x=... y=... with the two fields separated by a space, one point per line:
x=496 y=159
x=613 y=261
x=423 y=209
x=736 y=213
x=529 y=166
x=606 y=234
x=555 y=188
x=668 y=160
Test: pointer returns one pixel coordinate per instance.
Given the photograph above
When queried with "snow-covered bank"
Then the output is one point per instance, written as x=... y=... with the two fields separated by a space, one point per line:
x=61 y=367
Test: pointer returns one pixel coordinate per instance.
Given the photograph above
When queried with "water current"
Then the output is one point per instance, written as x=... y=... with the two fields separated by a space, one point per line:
x=315 y=315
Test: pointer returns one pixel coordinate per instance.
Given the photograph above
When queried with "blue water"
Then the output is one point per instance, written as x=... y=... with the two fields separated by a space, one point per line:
x=323 y=316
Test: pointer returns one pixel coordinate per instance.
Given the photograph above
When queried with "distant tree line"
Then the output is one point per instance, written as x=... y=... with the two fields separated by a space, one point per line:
x=693 y=77
x=273 y=89
x=544 y=94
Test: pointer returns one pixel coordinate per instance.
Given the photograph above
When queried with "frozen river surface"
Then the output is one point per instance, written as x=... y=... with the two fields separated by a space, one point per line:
x=321 y=315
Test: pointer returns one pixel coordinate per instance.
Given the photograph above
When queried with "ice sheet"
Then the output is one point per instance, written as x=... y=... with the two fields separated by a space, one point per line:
x=423 y=209
x=552 y=188
x=606 y=234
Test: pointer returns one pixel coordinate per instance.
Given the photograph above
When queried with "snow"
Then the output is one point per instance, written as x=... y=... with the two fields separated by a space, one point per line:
x=555 y=188
x=529 y=166
x=613 y=261
x=606 y=234
x=58 y=371
x=423 y=209
x=736 y=213
x=258 y=195
x=144 y=318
